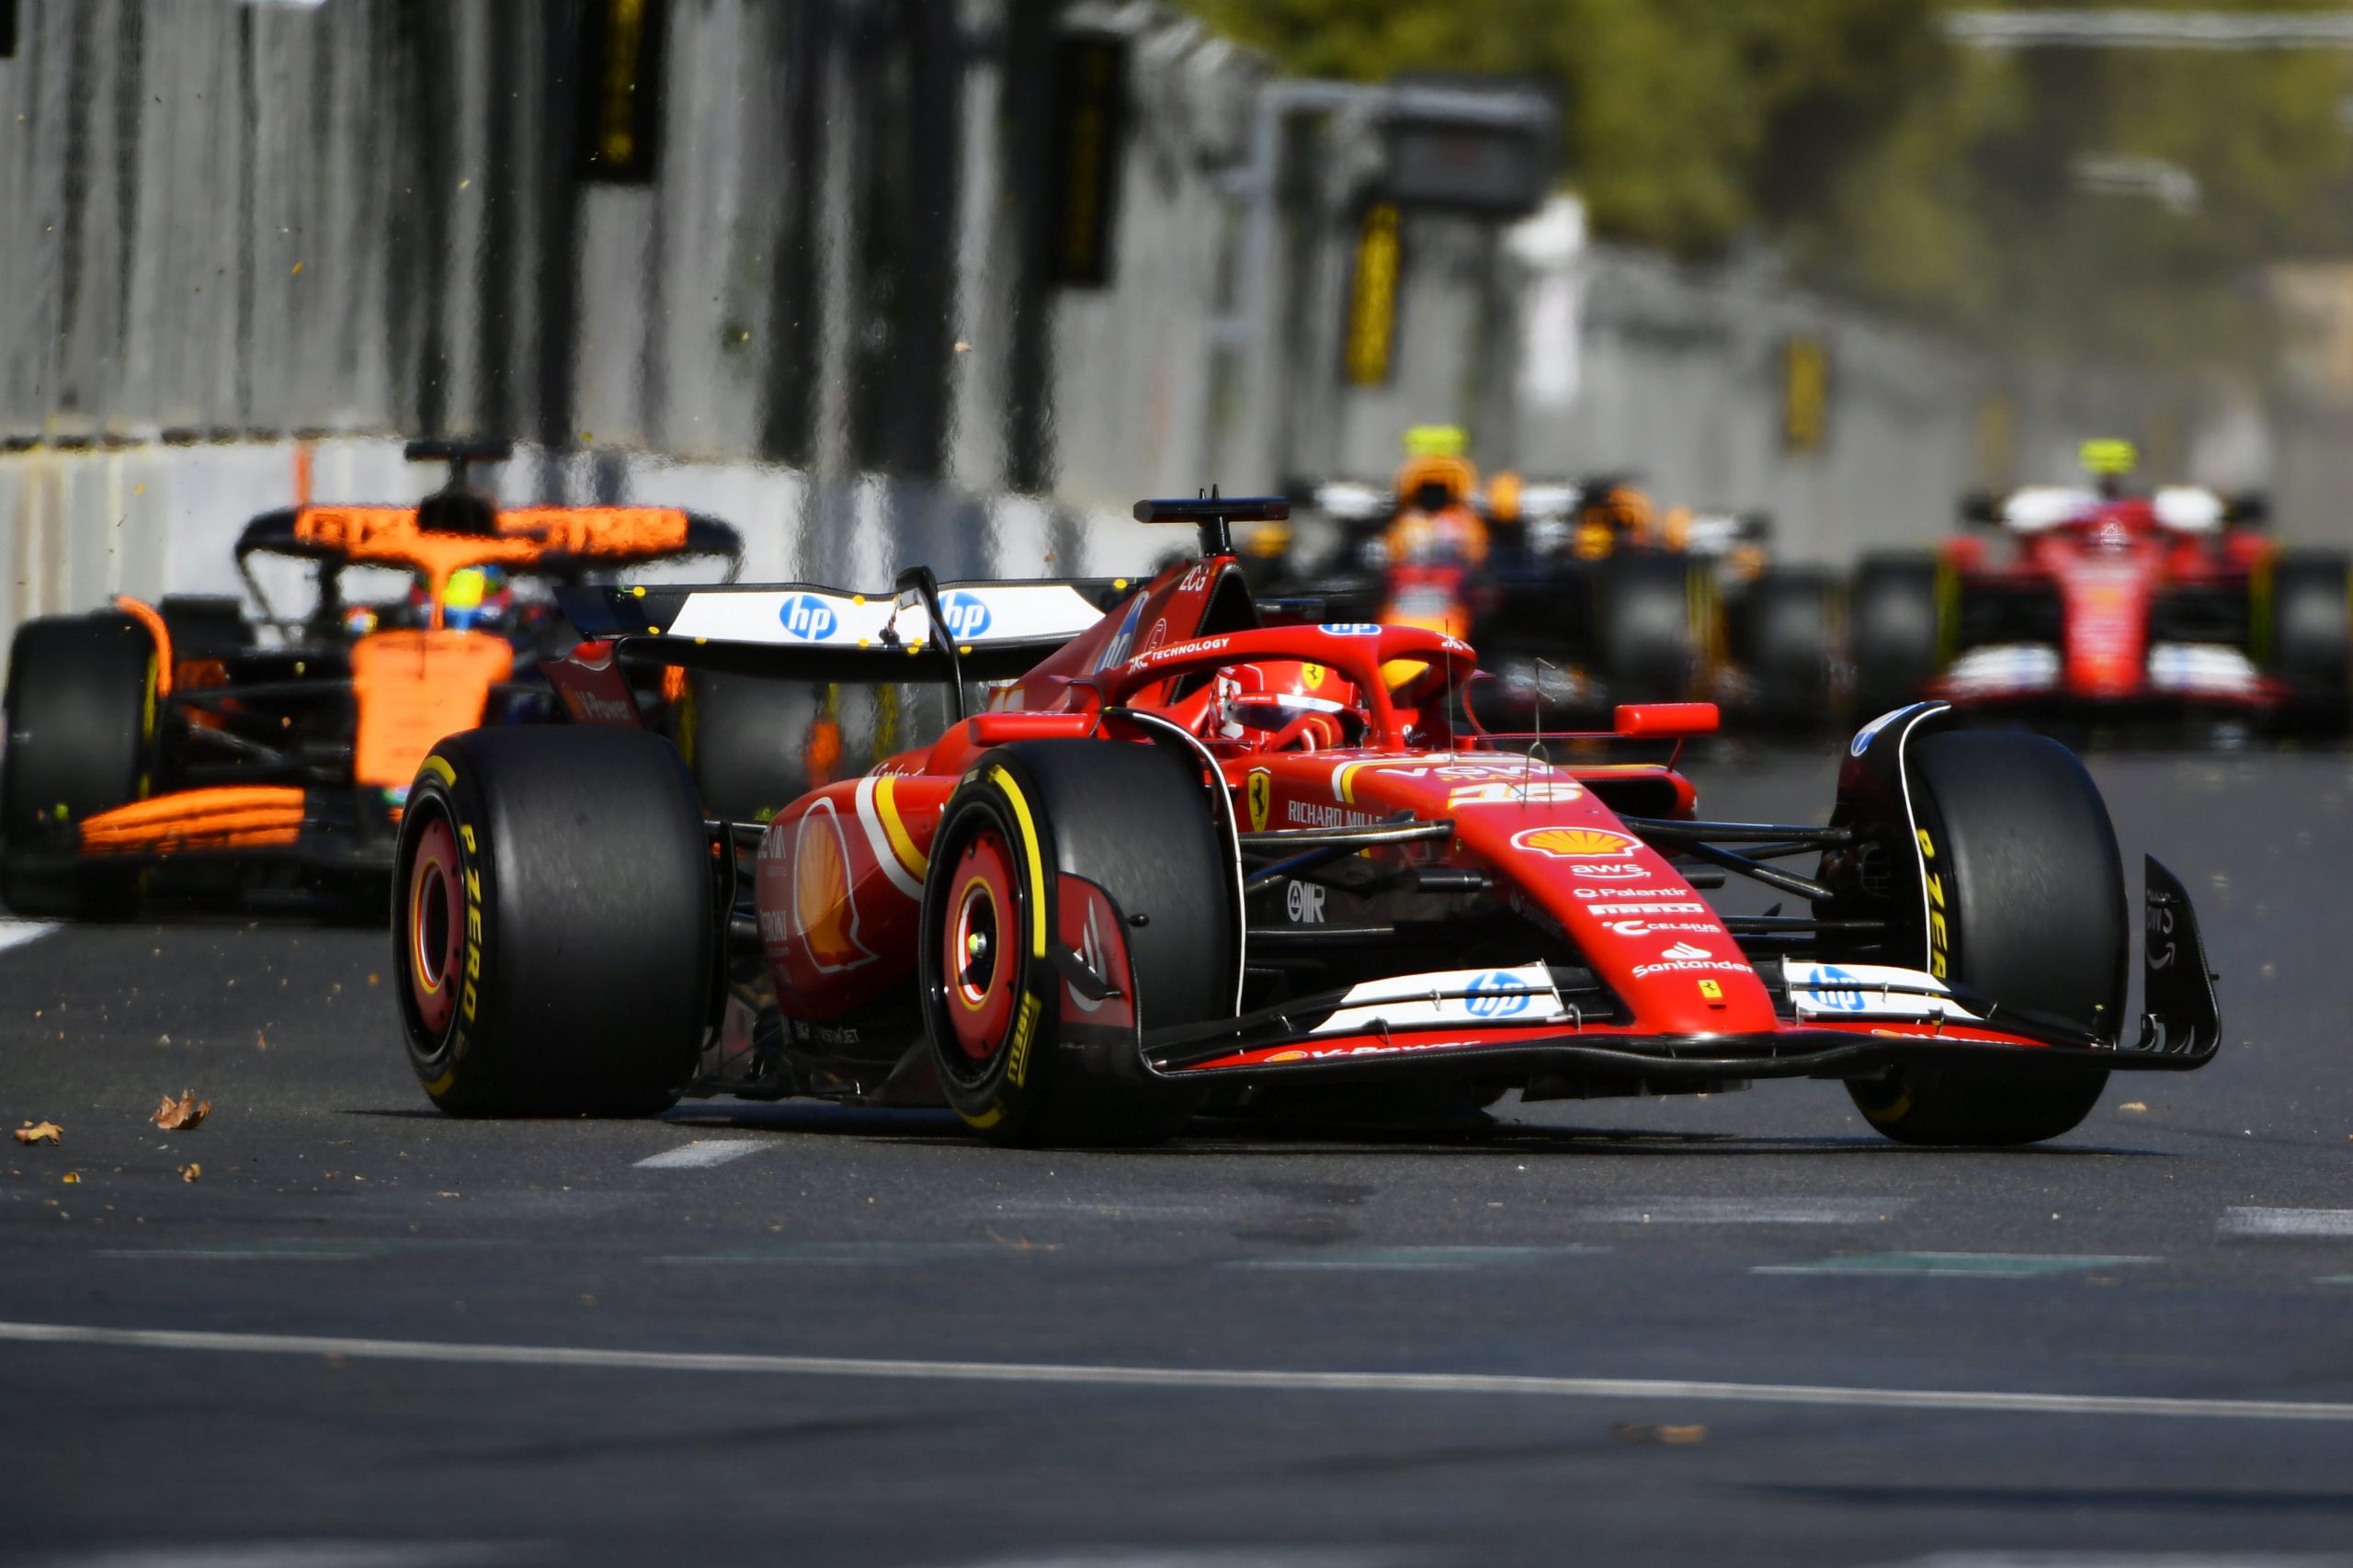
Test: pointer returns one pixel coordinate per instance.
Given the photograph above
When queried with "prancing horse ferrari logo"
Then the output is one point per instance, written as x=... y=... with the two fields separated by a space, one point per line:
x=1260 y=792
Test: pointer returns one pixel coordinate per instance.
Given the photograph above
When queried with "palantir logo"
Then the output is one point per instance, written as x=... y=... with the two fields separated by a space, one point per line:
x=1498 y=994
x=966 y=614
x=807 y=618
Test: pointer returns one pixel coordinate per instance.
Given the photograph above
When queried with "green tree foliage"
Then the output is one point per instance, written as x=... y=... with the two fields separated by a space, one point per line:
x=1883 y=160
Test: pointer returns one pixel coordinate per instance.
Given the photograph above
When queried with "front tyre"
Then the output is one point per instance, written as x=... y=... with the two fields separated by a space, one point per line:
x=1789 y=623
x=1651 y=618
x=2024 y=894
x=82 y=721
x=2310 y=639
x=1037 y=825
x=554 y=923
x=1894 y=632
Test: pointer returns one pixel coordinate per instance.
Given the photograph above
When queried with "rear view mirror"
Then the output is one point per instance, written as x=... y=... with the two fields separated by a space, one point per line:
x=1756 y=527
x=1980 y=507
x=2248 y=509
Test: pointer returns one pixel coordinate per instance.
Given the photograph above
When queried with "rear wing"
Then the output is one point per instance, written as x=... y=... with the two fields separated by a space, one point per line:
x=517 y=538
x=925 y=631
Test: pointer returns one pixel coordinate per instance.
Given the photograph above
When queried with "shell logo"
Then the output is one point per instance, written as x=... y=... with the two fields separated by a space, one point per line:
x=1575 y=842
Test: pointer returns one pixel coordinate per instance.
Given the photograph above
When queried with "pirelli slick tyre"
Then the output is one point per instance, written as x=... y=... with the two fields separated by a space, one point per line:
x=1894 y=632
x=746 y=741
x=1789 y=626
x=2310 y=637
x=1033 y=817
x=81 y=717
x=2026 y=904
x=554 y=923
x=1650 y=620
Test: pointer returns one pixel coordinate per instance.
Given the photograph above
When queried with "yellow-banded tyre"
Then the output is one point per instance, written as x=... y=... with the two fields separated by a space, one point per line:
x=82 y=724
x=1652 y=621
x=1033 y=819
x=2309 y=638
x=2024 y=894
x=554 y=923
x=1896 y=630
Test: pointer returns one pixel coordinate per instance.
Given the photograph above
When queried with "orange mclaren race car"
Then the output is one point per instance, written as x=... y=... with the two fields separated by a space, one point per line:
x=184 y=747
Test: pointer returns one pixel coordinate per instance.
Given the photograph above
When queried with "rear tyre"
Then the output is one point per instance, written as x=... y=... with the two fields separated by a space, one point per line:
x=746 y=741
x=1894 y=632
x=1134 y=821
x=81 y=717
x=1790 y=620
x=2024 y=871
x=554 y=923
x=2311 y=638
x=1648 y=617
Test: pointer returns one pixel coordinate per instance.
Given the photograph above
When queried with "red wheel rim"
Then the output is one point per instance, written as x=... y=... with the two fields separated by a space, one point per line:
x=435 y=926
x=982 y=961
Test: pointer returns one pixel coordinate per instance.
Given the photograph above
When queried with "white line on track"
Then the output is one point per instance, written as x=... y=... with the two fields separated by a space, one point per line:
x=2288 y=1221
x=702 y=1152
x=1194 y=1377
x=16 y=932
x=1748 y=1212
x=1418 y=1257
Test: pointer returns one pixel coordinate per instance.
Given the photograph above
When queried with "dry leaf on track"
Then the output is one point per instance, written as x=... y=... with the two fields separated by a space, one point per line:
x=40 y=1132
x=189 y=1173
x=1641 y=1432
x=71 y=1176
x=183 y=1115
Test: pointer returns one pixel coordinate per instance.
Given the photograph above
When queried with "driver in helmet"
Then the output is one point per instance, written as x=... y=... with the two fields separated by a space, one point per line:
x=1283 y=704
x=475 y=598
x=1436 y=524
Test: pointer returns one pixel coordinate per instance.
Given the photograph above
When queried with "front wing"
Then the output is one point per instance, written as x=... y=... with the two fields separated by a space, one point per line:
x=2181 y=1030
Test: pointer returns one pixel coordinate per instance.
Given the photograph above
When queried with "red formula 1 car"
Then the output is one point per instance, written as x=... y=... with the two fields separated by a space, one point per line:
x=2108 y=605
x=1180 y=863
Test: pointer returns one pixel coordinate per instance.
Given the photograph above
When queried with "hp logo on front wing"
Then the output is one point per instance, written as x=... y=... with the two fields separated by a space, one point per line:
x=1499 y=993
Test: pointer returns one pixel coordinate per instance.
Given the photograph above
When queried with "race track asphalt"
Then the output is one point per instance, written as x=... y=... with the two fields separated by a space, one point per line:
x=942 y=1353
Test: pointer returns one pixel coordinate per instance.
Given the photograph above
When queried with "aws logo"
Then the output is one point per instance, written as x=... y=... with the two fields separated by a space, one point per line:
x=966 y=614
x=807 y=619
x=1575 y=842
x=821 y=908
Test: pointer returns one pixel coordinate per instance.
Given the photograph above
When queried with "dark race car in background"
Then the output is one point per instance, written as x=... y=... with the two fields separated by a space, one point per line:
x=2095 y=606
x=190 y=746
x=1162 y=859
x=1580 y=594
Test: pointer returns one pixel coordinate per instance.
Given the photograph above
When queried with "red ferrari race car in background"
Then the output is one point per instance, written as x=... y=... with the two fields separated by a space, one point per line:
x=1181 y=863
x=2111 y=605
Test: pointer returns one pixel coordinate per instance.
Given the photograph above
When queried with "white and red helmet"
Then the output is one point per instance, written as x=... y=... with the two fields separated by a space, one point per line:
x=1284 y=702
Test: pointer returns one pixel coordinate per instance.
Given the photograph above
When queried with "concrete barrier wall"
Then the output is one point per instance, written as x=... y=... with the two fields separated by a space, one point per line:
x=825 y=315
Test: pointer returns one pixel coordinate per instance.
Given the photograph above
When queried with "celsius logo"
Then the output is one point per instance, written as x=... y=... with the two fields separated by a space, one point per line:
x=1498 y=994
x=966 y=616
x=807 y=618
